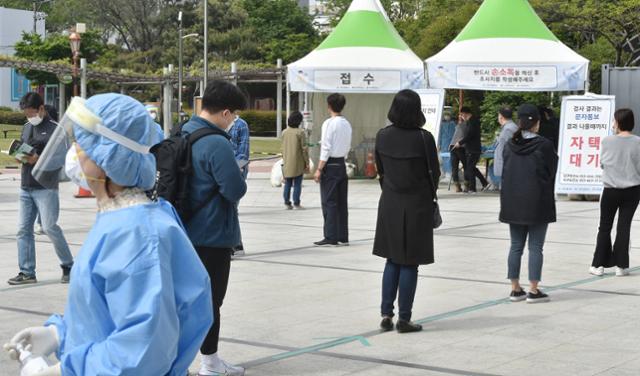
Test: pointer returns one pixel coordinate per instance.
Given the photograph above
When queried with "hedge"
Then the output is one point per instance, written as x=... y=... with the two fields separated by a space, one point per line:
x=262 y=122
x=12 y=118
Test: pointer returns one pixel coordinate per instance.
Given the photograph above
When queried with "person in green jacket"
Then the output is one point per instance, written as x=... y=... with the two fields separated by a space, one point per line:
x=295 y=157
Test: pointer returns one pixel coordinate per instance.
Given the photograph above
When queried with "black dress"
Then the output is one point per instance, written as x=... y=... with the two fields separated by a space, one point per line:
x=404 y=231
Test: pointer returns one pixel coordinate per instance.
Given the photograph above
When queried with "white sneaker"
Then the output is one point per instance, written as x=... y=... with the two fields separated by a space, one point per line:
x=212 y=365
x=599 y=271
x=37 y=229
x=621 y=272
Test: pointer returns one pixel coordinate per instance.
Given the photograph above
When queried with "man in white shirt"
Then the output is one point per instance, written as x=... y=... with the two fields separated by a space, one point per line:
x=332 y=174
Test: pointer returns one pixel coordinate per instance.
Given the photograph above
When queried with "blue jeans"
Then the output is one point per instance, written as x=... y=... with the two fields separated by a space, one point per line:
x=46 y=203
x=297 y=190
x=519 y=233
x=402 y=279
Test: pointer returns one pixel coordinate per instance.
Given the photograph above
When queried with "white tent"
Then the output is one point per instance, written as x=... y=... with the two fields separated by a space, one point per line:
x=363 y=55
x=507 y=47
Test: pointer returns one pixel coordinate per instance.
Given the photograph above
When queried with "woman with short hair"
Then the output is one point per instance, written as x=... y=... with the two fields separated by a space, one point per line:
x=404 y=232
x=620 y=162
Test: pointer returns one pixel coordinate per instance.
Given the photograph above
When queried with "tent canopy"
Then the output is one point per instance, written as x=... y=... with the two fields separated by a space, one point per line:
x=507 y=47
x=364 y=54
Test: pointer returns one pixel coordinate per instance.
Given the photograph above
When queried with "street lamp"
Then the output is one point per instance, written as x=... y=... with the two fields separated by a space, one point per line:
x=74 y=40
x=181 y=38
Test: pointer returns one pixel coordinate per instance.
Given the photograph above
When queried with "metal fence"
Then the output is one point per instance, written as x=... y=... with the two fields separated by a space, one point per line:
x=624 y=83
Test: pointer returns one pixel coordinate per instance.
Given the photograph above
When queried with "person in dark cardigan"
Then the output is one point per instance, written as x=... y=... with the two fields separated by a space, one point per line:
x=404 y=231
x=527 y=201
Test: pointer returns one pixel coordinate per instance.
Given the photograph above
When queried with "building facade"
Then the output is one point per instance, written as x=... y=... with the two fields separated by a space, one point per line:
x=13 y=22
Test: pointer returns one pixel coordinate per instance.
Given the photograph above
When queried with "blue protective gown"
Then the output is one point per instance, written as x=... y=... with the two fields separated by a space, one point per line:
x=139 y=300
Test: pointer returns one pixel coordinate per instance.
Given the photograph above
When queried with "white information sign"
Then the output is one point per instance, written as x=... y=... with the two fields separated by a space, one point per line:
x=503 y=77
x=359 y=80
x=585 y=122
x=432 y=106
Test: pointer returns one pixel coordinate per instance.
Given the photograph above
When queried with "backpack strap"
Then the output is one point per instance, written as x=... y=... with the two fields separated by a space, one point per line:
x=193 y=138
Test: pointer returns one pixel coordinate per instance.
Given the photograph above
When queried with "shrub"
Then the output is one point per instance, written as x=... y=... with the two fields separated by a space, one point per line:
x=262 y=122
x=12 y=118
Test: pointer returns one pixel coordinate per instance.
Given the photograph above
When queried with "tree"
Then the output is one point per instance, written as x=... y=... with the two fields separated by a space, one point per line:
x=282 y=27
x=55 y=48
x=439 y=22
x=616 y=21
x=494 y=100
x=398 y=11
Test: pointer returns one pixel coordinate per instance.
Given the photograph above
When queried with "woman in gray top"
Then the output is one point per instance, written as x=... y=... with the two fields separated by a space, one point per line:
x=620 y=161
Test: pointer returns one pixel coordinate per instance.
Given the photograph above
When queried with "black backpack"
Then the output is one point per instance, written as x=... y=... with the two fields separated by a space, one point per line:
x=174 y=169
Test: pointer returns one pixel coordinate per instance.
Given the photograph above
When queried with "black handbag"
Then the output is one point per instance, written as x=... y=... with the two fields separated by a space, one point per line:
x=437 y=218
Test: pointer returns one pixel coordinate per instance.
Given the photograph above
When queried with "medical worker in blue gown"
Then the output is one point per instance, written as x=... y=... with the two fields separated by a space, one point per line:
x=139 y=301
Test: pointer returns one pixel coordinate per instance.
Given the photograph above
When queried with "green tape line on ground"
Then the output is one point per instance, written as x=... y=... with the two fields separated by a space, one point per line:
x=441 y=316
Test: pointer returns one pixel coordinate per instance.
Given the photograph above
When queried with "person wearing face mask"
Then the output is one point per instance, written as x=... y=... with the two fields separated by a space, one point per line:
x=447 y=129
x=139 y=302
x=36 y=199
x=620 y=162
x=214 y=230
x=239 y=133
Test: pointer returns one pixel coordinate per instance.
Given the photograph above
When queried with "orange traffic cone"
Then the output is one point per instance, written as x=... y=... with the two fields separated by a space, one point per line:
x=370 y=167
x=83 y=193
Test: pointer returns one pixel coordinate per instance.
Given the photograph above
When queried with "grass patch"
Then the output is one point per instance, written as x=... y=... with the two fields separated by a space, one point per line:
x=261 y=147
x=6 y=160
x=12 y=132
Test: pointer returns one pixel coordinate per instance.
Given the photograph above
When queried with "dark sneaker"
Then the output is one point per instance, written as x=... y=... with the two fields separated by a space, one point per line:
x=288 y=206
x=22 y=279
x=343 y=244
x=386 y=324
x=518 y=296
x=325 y=243
x=238 y=251
x=66 y=274
x=539 y=297
x=407 y=327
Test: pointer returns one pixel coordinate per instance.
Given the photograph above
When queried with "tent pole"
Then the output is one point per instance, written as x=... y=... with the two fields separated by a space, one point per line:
x=288 y=100
x=460 y=100
x=587 y=84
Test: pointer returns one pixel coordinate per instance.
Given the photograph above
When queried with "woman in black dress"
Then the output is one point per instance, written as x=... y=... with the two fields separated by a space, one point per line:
x=404 y=232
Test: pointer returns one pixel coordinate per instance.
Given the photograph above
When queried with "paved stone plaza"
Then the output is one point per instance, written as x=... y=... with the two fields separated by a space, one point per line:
x=293 y=309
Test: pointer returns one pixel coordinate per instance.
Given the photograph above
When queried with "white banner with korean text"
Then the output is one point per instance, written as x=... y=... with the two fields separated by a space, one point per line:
x=354 y=80
x=502 y=77
x=432 y=101
x=585 y=121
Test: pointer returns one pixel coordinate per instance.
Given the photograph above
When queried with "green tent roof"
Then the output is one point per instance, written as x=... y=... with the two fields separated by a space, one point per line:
x=505 y=19
x=364 y=28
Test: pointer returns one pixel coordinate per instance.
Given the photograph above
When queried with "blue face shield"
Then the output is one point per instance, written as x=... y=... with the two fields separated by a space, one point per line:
x=114 y=130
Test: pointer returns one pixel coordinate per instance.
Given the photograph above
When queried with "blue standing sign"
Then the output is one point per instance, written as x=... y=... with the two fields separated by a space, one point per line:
x=19 y=85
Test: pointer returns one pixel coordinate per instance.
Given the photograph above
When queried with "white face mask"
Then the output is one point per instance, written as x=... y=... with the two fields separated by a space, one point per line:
x=36 y=120
x=73 y=169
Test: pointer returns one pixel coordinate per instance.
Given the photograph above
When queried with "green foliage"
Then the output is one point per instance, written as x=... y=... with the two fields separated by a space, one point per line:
x=282 y=28
x=262 y=122
x=580 y=23
x=12 y=117
x=437 y=25
x=494 y=100
x=55 y=47
x=600 y=52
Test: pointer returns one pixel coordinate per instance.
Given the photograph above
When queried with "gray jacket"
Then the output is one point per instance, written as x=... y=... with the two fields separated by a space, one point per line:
x=507 y=132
